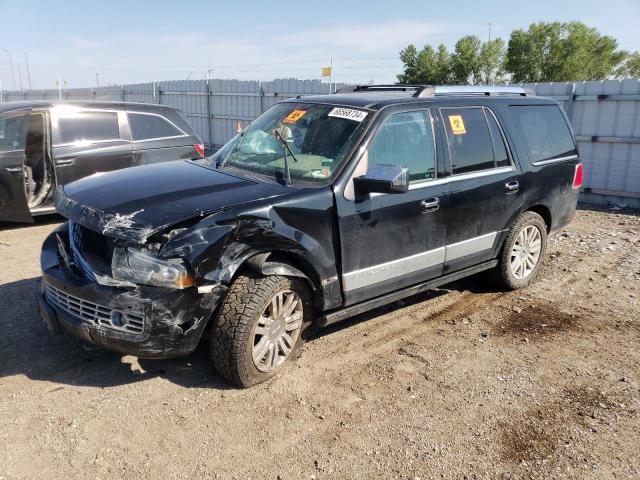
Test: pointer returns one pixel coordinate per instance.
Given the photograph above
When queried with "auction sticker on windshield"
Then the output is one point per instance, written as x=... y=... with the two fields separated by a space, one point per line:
x=294 y=116
x=348 y=113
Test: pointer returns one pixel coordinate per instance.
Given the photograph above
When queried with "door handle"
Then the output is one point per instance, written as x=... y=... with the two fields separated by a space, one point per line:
x=512 y=187
x=430 y=204
x=63 y=162
x=13 y=169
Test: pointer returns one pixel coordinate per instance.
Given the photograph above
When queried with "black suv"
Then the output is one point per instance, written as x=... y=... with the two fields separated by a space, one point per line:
x=322 y=208
x=46 y=144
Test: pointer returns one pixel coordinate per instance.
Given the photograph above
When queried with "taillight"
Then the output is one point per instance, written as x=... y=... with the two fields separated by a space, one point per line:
x=577 y=176
x=199 y=149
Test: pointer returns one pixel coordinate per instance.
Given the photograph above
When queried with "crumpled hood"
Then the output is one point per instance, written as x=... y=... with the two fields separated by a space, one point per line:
x=134 y=203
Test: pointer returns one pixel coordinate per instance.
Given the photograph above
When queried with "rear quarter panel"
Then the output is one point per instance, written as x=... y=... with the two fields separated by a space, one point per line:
x=547 y=184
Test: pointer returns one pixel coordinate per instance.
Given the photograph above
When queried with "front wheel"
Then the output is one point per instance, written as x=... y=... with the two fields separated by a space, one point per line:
x=523 y=251
x=258 y=328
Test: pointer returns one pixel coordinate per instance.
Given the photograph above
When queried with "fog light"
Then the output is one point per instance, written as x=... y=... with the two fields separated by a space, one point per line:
x=118 y=319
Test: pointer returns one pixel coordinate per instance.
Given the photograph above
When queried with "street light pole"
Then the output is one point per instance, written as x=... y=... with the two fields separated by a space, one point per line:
x=13 y=75
x=26 y=62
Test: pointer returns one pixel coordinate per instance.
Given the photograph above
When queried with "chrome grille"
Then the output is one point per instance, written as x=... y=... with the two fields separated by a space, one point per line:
x=94 y=313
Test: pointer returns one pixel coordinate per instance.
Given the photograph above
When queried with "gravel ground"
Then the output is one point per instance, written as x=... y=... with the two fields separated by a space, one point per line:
x=461 y=382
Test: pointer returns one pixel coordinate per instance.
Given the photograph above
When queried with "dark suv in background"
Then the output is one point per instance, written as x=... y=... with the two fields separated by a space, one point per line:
x=46 y=144
x=324 y=207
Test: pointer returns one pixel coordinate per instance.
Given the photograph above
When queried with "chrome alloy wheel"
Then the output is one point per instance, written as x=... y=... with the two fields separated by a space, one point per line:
x=525 y=252
x=277 y=330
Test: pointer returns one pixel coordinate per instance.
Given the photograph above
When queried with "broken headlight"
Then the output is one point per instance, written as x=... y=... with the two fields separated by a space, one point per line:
x=141 y=268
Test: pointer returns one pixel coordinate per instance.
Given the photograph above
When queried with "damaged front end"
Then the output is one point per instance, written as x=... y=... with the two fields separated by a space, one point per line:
x=123 y=298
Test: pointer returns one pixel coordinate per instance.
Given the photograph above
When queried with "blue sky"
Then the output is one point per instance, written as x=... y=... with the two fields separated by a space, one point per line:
x=127 y=41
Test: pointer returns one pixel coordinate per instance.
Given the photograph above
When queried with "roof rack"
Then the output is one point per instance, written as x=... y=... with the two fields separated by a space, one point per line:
x=425 y=91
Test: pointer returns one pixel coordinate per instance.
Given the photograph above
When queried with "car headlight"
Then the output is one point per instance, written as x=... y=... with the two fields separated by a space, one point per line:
x=139 y=267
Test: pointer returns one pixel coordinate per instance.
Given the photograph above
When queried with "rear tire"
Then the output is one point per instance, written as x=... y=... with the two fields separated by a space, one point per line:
x=522 y=253
x=259 y=327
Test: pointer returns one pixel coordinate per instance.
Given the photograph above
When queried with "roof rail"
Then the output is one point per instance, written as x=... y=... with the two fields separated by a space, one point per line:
x=426 y=91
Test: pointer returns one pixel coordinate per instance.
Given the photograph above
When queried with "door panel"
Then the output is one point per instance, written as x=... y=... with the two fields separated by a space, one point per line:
x=484 y=187
x=73 y=162
x=391 y=241
x=480 y=210
x=13 y=198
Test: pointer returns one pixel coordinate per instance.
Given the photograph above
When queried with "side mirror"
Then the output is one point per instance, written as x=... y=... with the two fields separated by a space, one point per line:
x=383 y=179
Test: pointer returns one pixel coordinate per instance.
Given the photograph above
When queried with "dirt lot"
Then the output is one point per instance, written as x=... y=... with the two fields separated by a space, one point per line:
x=462 y=382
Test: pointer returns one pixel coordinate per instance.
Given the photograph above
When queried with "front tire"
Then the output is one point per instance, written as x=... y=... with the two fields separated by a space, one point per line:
x=522 y=253
x=259 y=327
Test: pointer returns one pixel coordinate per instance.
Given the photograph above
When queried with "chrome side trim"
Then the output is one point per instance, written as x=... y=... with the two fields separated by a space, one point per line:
x=395 y=268
x=470 y=246
x=554 y=160
x=413 y=263
x=481 y=173
x=456 y=178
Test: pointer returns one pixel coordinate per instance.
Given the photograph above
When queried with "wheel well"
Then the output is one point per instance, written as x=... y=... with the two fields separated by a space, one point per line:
x=289 y=259
x=544 y=212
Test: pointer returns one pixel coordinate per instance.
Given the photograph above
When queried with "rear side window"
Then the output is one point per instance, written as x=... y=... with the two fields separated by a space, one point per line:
x=12 y=133
x=499 y=149
x=87 y=127
x=545 y=131
x=406 y=139
x=469 y=140
x=147 y=127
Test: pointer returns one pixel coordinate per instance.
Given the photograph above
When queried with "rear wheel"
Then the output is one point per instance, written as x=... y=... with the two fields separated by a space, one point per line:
x=522 y=252
x=259 y=327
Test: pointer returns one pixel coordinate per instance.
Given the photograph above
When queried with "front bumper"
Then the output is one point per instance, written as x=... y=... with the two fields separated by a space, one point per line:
x=158 y=322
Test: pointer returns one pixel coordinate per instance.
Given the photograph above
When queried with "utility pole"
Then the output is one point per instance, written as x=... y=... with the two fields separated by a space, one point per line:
x=13 y=75
x=20 y=76
x=26 y=62
x=59 y=88
x=330 y=75
x=98 y=80
x=489 y=31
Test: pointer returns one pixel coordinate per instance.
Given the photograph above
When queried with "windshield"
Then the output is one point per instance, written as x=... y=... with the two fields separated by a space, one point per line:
x=318 y=137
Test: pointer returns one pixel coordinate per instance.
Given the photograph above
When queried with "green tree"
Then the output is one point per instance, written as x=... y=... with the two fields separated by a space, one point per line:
x=472 y=62
x=492 y=54
x=465 y=61
x=554 y=52
x=630 y=68
x=427 y=66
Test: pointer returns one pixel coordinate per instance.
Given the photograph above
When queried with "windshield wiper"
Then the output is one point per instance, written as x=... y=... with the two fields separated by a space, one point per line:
x=287 y=171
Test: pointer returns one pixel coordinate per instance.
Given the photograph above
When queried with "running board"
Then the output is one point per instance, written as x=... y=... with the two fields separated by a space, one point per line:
x=352 y=310
x=42 y=211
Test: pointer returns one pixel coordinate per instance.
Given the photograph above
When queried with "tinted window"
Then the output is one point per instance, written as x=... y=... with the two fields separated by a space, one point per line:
x=469 y=139
x=87 y=126
x=405 y=139
x=145 y=127
x=499 y=149
x=545 y=131
x=12 y=133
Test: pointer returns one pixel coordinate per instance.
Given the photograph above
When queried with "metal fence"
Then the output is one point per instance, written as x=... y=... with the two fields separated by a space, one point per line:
x=605 y=117
x=213 y=107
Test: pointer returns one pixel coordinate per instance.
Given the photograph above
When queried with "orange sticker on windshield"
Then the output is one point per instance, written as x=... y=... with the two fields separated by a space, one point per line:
x=457 y=125
x=294 y=116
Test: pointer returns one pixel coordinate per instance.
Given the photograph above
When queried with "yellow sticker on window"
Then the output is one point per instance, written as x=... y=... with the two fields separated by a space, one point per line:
x=457 y=125
x=294 y=116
